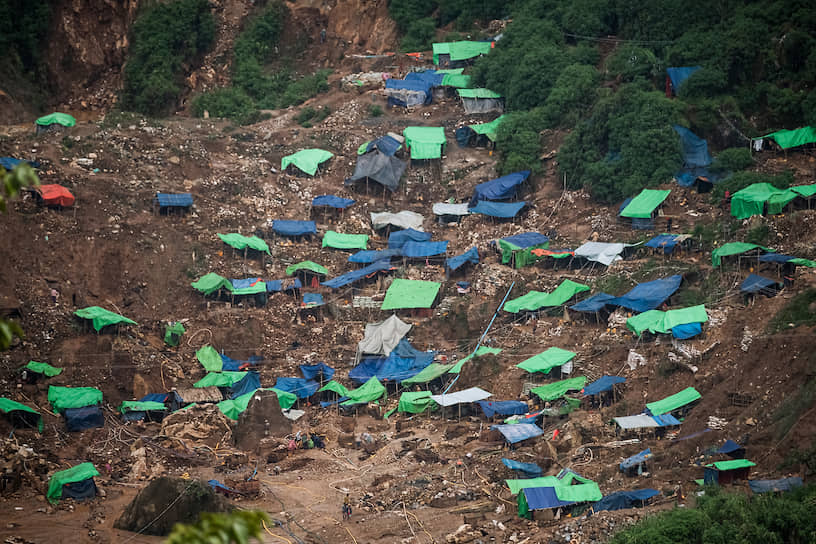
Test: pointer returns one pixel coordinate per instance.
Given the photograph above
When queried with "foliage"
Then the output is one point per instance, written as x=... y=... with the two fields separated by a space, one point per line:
x=165 y=40
x=418 y=19
x=518 y=140
x=573 y=93
x=741 y=180
x=228 y=102
x=703 y=83
x=795 y=313
x=631 y=62
x=419 y=35
x=758 y=235
x=308 y=115
x=375 y=110
x=732 y=159
x=237 y=527
x=23 y=28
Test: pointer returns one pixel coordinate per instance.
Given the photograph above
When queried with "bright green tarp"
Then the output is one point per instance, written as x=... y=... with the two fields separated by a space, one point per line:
x=546 y=481
x=308 y=160
x=425 y=142
x=678 y=400
x=478 y=93
x=257 y=288
x=459 y=81
x=176 y=329
x=368 y=392
x=488 y=129
x=43 y=368
x=62 y=398
x=753 y=199
x=212 y=282
x=440 y=49
x=805 y=190
x=535 y=300
x=429 y=373
x=779 y=200
x=232 y=408
x=8 y=405
x=416 y=402
x=732 y=248
x=102 y=317
x=793 y=138
x=556 y=390
x=644 y=204
x=451 y=71
x=57 y=118
x=521 y=256
x=239 y=241
x=141 y=406
x=482 y=350
x=220 y=379
x=209 y=358
x=547 y=360
x=335 y=386
x=345 y=241
x=307 y=265
x=803 y=262
x=410 y=294
x=72 y=475
x=589 y=492
x=465 y=50
x=732 y=464
x=658 y=322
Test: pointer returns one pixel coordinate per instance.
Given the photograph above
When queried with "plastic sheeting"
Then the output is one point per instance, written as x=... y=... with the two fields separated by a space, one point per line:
x=406 y=294
x=87 y=417
x=759 y=284
x=470 y=256
x=732 y=248
x=673 y=402
x=678 y=75
x=443 y=208
x=408 y=92
x=401 y=364
x=665 y=241
x=637 y=459
x=384 y=144
x=357 y=275
x=604 y=383
x=378 y=167
x=529 y=469
x=424 y=249
x=649 y=295
x=519 y=431
x=100 y=317
x=594 y=303
x=276 y=286
x=466 y=396
x=621 y=500
x=332 y=201
x=373 y=255
x=301 y=387
x=249 y=383
x=382 y=337
x=398 y=238
x=782 y=484
x=501 y=188
x=645 y=421
x=729 y=447
x=644 y=204
x=504 y=210
x=293 y=228
x=425 y=142
x=695 y=149
x=503 y=407
x=307 y=160
x=526 y=239
x=601 y=252
x=233 y=365
x=310 y=372
x=403 y=220
x=179 y=200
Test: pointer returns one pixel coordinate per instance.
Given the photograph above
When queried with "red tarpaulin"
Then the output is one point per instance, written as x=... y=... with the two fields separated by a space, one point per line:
x=56 y=195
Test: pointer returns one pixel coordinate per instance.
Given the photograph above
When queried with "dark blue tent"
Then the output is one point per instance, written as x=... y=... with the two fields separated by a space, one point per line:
x=593 y=304
x=373 y=255
x=665 y=241
x=526 y=239
x=469 y=256
x=174 y=200
x=87 y=417
x=429 y=77
x=679 y=75
x=247 y=384
x=276 y=286
x=416 y=85
x=498 y=209
x=625 y=499
x=529 y=470
x=404 y=362
x=501 y=188
x=398 y=239
x=384 y=144
x=288 y=227
x=503 y=407
x=604 y=383
x=312 y=300
x=233 y=365
x=637 y=461
x=310 y=372
x=424 y=249
x=301 y=387
x=759 y=284
x=696 y=158
x=80 y=491
x=332 y=201
x=782 y=484
x=649 y=295
x=732 y=449
x=774 y=258
x=356 y=275
x=543 y=498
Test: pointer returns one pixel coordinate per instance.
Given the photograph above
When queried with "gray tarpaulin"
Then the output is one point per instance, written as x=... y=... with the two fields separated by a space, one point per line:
x=382 y=337
x=379 y=167
x=601 y=252
x=403 y=220
x=442 y=208
x=461 y=397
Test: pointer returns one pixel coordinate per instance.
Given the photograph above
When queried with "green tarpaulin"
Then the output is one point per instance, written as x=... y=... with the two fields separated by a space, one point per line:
x=307 y=265
x=345 y=241
x=75 y=474
x=803 y=262
x=410 y=294
x=209 y=358
x=429 y=373
x=212 y=282
x=644 y=204
x=335 y=386
x=7 y=406
x=368 y=392
x=547 y=481
x=173 y=333
x=477 y=93
x=535 y=300
x=488 y=129
x=62 y=398
x=753 y=200
x=465 y=50
x=416 y=402
x=256 y=288
x=793 y=138
x=806 y=191
x=459 y=81
x=451 y=71
x=658 y=322
x=307 y=160
x=732 y=248
x=669 y=404
x=57 y=118
x=233 y=408
x=520 y=256
x=547 y=360
x=556 y=390
x=732 y=464
x=425 y=142
x=220 y=379
x=43 y=368
x=239 y=241
x=482 y=350
x=141 y=406
x=102 y=317
x=440 y=49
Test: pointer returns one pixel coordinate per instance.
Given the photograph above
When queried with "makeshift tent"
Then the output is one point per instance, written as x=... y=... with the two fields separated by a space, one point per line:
x=666 y=241
x=535 y=300
x=332 y=201
x=752 y=200
x=248 y=286
x=643 y=206
x=466 y=396
x=504 y=210
x=594 y=303
x=601 y=252
x=415 y=402
x=310 y=372
x=406 y=93
x=63 y=398
x=481 y=350
x=43 y=368
x=388 y=144
x=370 y=391
x=731 y=449
x=696 y=158
x=337 y=240
x=470 y=134
x=302 y=388
x=55 y=195
x=21 y=415
x=307 y=160
x=516 y=249
x=101 y=317
x=233 y=408
x=547 y=360
x=602 y=384
x=449 y=213
x=239 y=241
x=564 y=478
x=424 y=249
x=63 y=483
x=286 y=227
x=502 y=407
x=644 y=421
x=446 y=53
x=458 y=261
x=221 y=379
x=356 y=275
x=308 y=266
x=425 y=142
x=678 y=75
x=402 y=363
x=502 y=188
x=733 y=248
x=649 y=295
x=312 y=300
x=726 y=472
x=428 y=374
x=673 y=402
x=86 y=417
x=336 y=387
x=380 y=168
x=134 y=410
x=233 y=365
x=173 y=333
x=403 y=220
x=775 y=486
x=368 y=256
x=545 y=498
x=173 y=200
x=519 y=431
x=556 y=390
x=636 y=463
x=755 y=284
x=528 y=469
x=277 y=286
x=480 y=100
x=55 y=119
x=211 y=282
x=787 y=139
x=399 y=238
x=404 y=294
x=673 y=321
x=382 y=337
x=209 y=358
x=621 y=500
x=457 y=81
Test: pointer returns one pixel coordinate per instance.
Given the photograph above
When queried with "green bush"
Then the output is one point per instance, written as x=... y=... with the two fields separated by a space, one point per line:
x=23 y=28
x=519 y=142
x=797 y=312
x=741 y=180
x=165 y=40
x=703 y=83
x=419 y=35
x=375 y=110
x=732 y=159
x=228 y=103
x=630 y=62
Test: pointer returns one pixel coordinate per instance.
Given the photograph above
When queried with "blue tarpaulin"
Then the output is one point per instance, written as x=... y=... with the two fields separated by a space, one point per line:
x=604 y=383
x=637 y=459
x=729 y=447
x=679 y=75
x=87 y=417
x=10 y=162
x=686 y=331
x=429 y=77
x=216 y=485
x=695 y=157
x=470 y=256
x=178 y=200
x=288 y=227
x=416 y=85
x=301 y=387
x=666 y=420
x=384 y=144
x=519 y=431
x=230 y=365
x=782 y=484
x=356 y=275
x=310 y=372
x=774 y=258
x=594 y=303
x=312 y=300
x=245 y=283
x=332 y=201
x=759 y=284
x=530 y=470
x=665 y=241
x=649 y=295
x=620 y=500
x=276 y=286
x=503 y=407
x=404 y=362
x=154 y=397
x=501 y=188
x=526 y=239
x=424 y=249
x=543 y=498
x=398 y=239
x=373 y=255
x=247 y=384
x=498 y=209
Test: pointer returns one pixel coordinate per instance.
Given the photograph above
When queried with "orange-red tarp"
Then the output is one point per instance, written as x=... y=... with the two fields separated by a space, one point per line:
x=56 y=195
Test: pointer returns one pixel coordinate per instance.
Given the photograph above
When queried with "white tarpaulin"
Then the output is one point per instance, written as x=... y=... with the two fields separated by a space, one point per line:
x=442 y=208
x=640 y=421
x=466 y=396
x=601 y=252
x=403 y=220
x=380 y=338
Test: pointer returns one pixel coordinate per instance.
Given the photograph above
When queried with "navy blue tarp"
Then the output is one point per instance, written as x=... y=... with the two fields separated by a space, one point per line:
x=729 y=447
x=332 y=201
x=178 y=200
x=424 y=249
x=87 y=417
x=665 y=241
x=310 y=372
x=398 y=239
x=695 y=156
x=593 y=304
x=312 y=300
x=417 y=85
x=288 y=227
x=649 y=295
x=774 y=258
x=782 y=484
x=637 y=459
x=469 y=256
x=233 y=365
x=620 y=500
x=501 y=188
x=530 y=470
x=373 y=255
x=503 y=407
x=276 y=286
x=498 y=209
x=759 y=284
x=543 y=498
x=301 y=387
x=604 y=383
x=384 y=144
x=247 y=384
x=79 y=491
x=243 y=284
x=356 y=275
x=679 y=75
x=154 y=397
x=689 y=330
x=10 y=162
x=527 y=239
x=404 y=362
x=429 y=77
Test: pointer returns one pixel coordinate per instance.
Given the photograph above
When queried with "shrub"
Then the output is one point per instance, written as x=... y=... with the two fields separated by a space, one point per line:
x=375 y=110
x=732 y=159
x=704 y=83
x=419 y=35
x=797 y=312
x=630 y=62
x=230 y=103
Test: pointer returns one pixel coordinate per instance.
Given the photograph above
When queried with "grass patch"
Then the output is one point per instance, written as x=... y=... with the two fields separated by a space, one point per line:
x=375 y=110
x=799 y=311
x=310 y=115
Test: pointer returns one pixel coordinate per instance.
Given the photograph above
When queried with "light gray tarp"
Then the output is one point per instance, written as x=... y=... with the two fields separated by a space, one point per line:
x=380 y=338
x=640 y=421
x=466 y=396
x=601 y=252
x=403 y=220
x=411 y=98
x=442 y=208
x=482 y=105
x=379 y=167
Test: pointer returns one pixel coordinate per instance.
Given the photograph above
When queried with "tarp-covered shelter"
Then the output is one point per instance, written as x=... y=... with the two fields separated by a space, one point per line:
x=173 y=333
x=503 y=188
x=758 y=199
x=621 y=500
x=726 y=472
x=322 y=370
x=43 y=369
x=636 y=464
x=503 y=210
x=382 y=337
x=602 y=385
x=399 y=238
x=402 y=363
x=405 y=294
x=307 y=161
x=288 y=227
x=645 y=421
x=517 y=432
x=503 y=407
x=530 y=470
x=479 y=134
x=648 y=295
x=643 y=208
x=466 y=396
x=536 y=300
x=481 y=350
x=81 y=419
x=239 y=241
x=460 y=53
x=54 y=120
x=101 y=317
x=775 y=486
x=683 y=323
x=357 y=275
x=135 y=410
x=755 y=284
x=666 y=242
x=332 y=201
x=403 y=220
x=10 y=163
x=370 y=391
x=787 y=139
x=674 y=402
x=368 y=256
x=531 y=499
x=696 y=158
x=309 y=272
x=601 y=252
x=425 y=142
x=454 y=263
x=516 y=250
x=378 y=167
x=210 y=283
x=415 y=402
x=678 y=75
x=73 y=483
x=173 y=200
x=556 y=390
x=549 y=359
x=53 y=194
x=389 y=144
x=480 y=100
x=424 y=249
x=450 y=213
x=20 y=415
x=734 y=248
x=731 y=449
x=302 y=388
x=408 y=92
x=337 y=240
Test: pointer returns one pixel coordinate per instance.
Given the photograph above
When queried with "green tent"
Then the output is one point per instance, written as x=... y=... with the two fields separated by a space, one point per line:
x=239 y=241
x=793 y=138
x=644 y=204
x=403 y=294
x=556 y=390
x=212 y=282
x=673 y=402
x=427 y=374
x=477 y=93
x=307 y=160
x=440 y=49
x=102 y=317
x=520 y=256
x=7 y=406
x=307 y=265
x=732 y=464
x=589 y=492
x=233 y=408
x=220 y=379
x=173 y=333
x=337 y=240
x=458 y=81
x=465 y=50
x=335 y=386
x=425 y=142
x=482 y=350
x=451 y=71
x=43 y=368
x=732 y=248
x=805 y=191
x=209 y=358
x=753 y=200
x=72 y=475
x=256 y=288
x=62 y=398
x=547 y=360
x=569 y=479
x=56 y=118
x=416 y=402
x=141 y=406
x=489 y=129
x=535 y=300
x=658 y=322
x=803 y=262
x=368 y=392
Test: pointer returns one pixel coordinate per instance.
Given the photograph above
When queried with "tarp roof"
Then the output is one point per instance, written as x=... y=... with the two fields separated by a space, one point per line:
x=62 y=398
x=373 y=255
x=387 y=144
x=535 y=300
x=732 y=248
x=530 y=469
x=637 y=459
x=368 y=392
x=678 y=75
x=782 y=484
x=399 y=238
x=729 y=447
x=310 y=372
x=498 y=209
x=695 y=149
x=8 y=406
x=424 y=249
x=477 y=93
x=345 y=241
x=751 y=200
x=220 y=379
x=211 y=282
x=469 y=256
x=405 y=220
x=332 y=201
x=649 y=295
x=209 y=358
x=383 y=336
x=518 y=431
x=601 y=252
x=410 y=294
x=464 y=50
x=335 y=386
x=665 y=241
x=239 y=241
x=733 y=464
x=673 y=402
x=645 y=421
x=793 y=138
x=408 y=92
x=481 y=350
x=547 y=360
x=594 y=303
x=72 y=475
x=248 y=286
x=55 y=195
x=300 y=387
x=415 y=402
x=307 y=265
x=289 y=227
x=658 y=322
x=503 y=407
x=620 y=500
x=806 y=191
x=525 y=239
x=604 y=383
x=556 y=390
x=168 y=200
x=9 y=163
x=57 y=118
x=379 y=167
x=488 y=129
x=500 y=188
x=101 y=317
x=43 y=368
x=141 y=406
x=233 y=408
x=465 y=396
x=755 y=284
x=644 y=204
x=425 y=142
x=307 y=160
x=356 y=275
x=429 y=373
x=444 y=208
x=402 y=363
x=458 y=81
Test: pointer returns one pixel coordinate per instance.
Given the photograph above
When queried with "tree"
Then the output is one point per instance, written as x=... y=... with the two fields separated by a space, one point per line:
x=237 y=527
